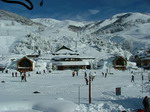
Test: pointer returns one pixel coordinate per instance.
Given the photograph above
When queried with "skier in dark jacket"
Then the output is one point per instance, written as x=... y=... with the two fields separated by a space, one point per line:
x=132 y=78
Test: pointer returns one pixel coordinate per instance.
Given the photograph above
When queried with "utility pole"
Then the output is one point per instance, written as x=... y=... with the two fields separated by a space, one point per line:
x=79 y=96
x=90 y=90
x=142 y=81
x=91 y=78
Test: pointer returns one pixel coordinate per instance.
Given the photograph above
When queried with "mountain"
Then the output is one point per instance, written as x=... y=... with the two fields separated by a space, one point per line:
x=129 y=29
x=122 y=34
x=118 y=23
x=9 y=16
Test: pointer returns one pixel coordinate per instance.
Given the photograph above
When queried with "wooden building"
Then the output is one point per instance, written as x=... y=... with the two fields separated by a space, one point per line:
x=145 y=63
x=120 y=63
x=143 y=60
x=25 y=64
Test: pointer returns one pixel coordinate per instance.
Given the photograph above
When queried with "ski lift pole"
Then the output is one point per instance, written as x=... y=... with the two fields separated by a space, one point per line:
x=142 y=81
x=91 y=78
x=79 y=95
x=90 y=90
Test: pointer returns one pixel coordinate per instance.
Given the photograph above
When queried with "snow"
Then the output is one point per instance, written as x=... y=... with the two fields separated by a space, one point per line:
x=59 y=92
x=72 y=63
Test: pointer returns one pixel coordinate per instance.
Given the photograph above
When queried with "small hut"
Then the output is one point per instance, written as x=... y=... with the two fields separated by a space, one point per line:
x=120 y=63
x=25 y=64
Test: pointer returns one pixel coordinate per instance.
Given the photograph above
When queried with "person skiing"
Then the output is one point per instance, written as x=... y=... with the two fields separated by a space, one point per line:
x=73 y=73
x=85 y=74
x=12 y=74
x=22 y=77
x=15 y=74
x=132 y=78
x=86 y=80
x=102 y=73
x=105 y=75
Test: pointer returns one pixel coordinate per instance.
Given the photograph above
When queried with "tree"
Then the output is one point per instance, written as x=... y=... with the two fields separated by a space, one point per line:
x=128 y=45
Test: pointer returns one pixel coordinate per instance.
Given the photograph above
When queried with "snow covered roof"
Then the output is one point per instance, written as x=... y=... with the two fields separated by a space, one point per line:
x=25 y=57
x=65 y=51
x=72 y=63
x=73 y=56
x=13 y=64
x=64 y=47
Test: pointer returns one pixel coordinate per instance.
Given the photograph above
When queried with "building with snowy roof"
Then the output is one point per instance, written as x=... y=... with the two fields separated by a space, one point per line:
x=25 y=64
x=72 y=62
x=120 y=63
x=66 y=58
x=143 y=60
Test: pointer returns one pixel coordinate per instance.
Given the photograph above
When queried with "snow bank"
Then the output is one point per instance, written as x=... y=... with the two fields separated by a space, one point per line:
x=58 y=105
x=15 y=106
x=103 y=107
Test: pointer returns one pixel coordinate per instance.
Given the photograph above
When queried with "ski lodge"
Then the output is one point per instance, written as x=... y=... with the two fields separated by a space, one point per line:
x=65 y=58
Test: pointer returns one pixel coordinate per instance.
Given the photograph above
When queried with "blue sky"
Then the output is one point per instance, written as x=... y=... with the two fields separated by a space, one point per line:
x=80 y=10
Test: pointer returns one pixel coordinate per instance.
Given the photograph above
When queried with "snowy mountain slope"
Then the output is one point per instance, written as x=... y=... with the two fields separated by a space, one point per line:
x=5 y=15
x=56 y=29
x=119 y=35
x=12 y=32
x=119 y=22
x=129 y=29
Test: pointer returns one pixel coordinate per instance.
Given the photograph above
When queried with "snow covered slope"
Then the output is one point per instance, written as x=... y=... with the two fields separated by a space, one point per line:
x=5 y=15
x=123 y=33
x=131 y=30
